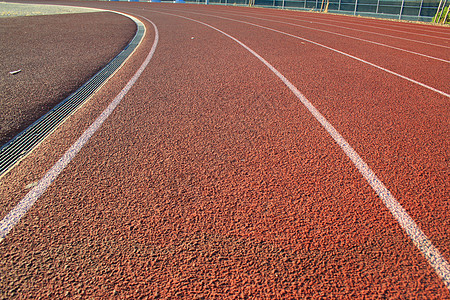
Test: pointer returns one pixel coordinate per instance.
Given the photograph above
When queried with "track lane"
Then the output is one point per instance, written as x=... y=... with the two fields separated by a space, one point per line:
x=444 y=194
x=186 y=132
x=427 y=129
x=432 y=254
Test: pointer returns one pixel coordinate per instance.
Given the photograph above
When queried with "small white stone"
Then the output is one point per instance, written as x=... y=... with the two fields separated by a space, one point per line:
x=32 y=185
x=15 y=72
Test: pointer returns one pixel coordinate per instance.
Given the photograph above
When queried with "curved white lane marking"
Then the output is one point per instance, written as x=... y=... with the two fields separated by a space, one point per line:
x=14 y=216
x=431 y=253
x=331 y=49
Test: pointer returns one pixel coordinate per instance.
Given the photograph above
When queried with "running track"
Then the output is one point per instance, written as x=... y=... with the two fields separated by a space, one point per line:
x=230 y=168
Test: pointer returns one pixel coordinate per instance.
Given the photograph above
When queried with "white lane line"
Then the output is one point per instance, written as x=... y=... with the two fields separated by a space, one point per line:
x=337 y=51
x=347 y=36
x=431 y=253
x=309 y=20
x=27 y=202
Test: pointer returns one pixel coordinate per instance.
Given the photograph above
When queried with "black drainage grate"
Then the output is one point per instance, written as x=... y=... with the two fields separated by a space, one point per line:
x=24 y=142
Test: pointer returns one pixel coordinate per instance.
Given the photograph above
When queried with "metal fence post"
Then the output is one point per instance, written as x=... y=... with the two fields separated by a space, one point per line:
x=304 y=6
x=283 y=4
x=378 y=5
x=401 y=10
x=356 y=6
x=339 y=8
x=420 y=10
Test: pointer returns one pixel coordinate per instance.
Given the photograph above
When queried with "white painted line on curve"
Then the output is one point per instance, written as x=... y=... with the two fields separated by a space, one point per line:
x=14 y=216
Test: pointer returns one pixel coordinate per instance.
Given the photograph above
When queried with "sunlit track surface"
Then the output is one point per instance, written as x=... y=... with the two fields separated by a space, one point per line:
x=210 y=179
x=362 y=57
x=314 y=26
x=362 y=26
x=381 y=26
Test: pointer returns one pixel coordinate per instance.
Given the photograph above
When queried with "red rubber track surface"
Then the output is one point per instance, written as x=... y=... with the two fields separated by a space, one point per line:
x=211 y=180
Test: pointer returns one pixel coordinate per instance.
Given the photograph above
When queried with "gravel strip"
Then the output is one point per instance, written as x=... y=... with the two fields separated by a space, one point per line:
x=17 y=9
